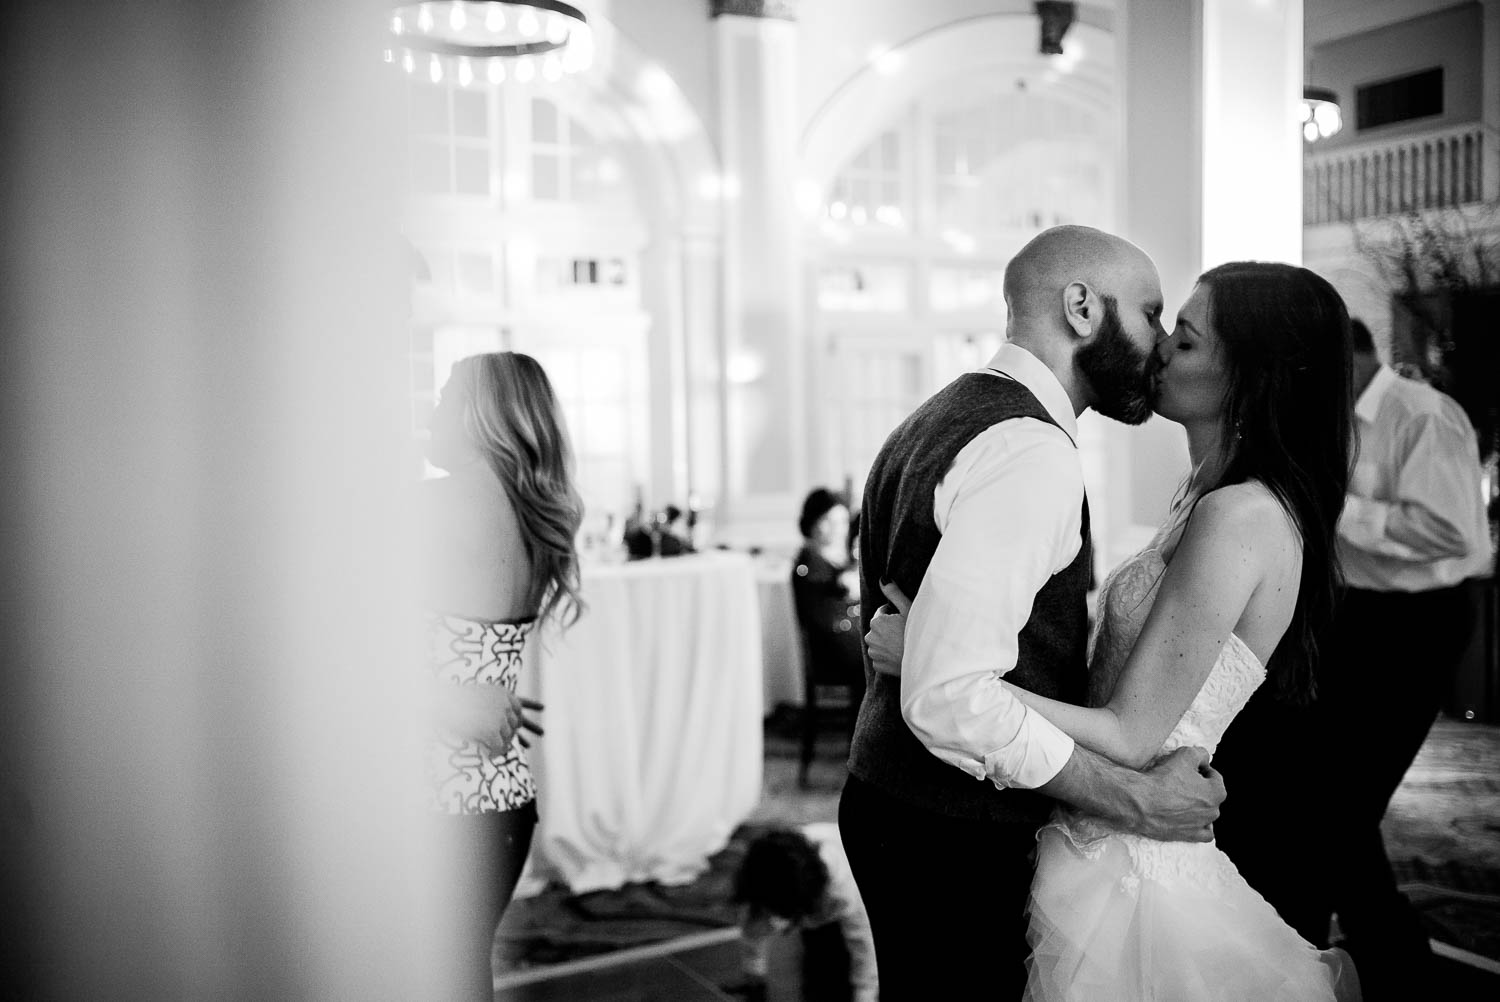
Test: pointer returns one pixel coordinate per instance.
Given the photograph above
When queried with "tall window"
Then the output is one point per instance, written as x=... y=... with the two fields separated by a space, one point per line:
x=1016 y=162
x=450 y=148
x=872 y=190
x=972 y=179
x=528 y=236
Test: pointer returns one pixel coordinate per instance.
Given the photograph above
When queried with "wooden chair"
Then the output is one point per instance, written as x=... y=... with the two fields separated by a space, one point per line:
x=825 y=677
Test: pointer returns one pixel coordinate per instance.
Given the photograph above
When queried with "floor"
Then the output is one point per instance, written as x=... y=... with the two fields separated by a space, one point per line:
x=1460 y=760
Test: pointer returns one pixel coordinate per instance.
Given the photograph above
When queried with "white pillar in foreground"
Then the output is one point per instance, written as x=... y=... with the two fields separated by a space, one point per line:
x=765 y=468
x=1251 y=79
x=1212 y=173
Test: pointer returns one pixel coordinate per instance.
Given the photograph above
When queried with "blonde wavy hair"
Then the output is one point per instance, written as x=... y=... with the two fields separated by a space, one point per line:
x=511 y=415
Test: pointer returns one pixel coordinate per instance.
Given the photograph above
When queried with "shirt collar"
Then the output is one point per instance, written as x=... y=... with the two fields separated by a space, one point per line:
x=1032 y=373
x=1368 y=404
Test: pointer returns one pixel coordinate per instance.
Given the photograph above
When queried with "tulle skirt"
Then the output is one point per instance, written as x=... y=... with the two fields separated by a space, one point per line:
x=1118 y=917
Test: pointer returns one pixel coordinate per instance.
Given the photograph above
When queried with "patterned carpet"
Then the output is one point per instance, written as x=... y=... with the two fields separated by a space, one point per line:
x=1442 y=832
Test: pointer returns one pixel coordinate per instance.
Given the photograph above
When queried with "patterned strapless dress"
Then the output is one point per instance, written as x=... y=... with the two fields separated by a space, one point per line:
x=464 y=777
x=1119 y=917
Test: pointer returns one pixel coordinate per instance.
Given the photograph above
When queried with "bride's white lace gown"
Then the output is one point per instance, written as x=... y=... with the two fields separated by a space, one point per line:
x=1115 y=916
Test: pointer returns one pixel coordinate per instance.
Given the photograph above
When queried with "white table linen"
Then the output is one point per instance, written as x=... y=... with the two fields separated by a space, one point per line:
x=780 y=639
x=653 y=746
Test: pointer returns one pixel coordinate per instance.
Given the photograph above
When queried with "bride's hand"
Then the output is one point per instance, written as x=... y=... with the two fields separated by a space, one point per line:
x=887 y=636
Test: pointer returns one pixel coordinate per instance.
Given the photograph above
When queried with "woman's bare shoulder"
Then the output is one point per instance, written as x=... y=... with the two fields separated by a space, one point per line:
x=469 y=513
x=1247 y=512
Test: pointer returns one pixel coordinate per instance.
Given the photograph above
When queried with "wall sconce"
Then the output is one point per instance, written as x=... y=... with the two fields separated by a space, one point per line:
x=1057 y=17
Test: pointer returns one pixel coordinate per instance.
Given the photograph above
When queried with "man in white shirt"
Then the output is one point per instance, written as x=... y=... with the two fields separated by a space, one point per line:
x=975 y=507
x=1413 y=531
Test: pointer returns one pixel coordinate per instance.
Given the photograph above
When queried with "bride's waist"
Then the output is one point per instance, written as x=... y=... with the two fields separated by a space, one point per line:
x=1092 y=838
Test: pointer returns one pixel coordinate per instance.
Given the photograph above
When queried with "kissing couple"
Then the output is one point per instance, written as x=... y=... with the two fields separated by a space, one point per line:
x=995 y=731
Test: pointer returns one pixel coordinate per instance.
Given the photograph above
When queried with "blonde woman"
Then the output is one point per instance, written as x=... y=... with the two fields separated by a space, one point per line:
x=500 y=558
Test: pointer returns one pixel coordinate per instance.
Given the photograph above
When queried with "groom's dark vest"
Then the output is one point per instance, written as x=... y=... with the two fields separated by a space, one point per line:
x=897 y=540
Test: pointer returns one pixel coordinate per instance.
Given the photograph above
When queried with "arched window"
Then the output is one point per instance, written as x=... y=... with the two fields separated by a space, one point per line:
x=908 y=253
x=529 y=239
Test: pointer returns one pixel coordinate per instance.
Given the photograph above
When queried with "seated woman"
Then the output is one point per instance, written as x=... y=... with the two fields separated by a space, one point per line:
x=825 y=587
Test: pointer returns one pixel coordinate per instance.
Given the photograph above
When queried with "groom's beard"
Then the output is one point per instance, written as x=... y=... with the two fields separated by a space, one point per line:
x=1119 y=372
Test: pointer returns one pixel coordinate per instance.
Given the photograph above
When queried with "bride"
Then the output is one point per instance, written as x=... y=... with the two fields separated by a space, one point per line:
x=1229 y=594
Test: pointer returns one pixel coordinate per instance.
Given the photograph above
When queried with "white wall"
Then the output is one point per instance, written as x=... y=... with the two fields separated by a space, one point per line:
x=677 y=35
x=1450 y=38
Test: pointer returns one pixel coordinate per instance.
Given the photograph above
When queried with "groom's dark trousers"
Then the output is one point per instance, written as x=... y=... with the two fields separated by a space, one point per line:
x=943 y=860
x=949 y=893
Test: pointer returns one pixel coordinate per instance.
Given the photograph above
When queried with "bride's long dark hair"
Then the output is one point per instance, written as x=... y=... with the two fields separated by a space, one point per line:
x=1288 y=420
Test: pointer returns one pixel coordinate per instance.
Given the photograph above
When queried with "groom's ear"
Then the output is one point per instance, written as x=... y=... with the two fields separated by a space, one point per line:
x=1081 y=309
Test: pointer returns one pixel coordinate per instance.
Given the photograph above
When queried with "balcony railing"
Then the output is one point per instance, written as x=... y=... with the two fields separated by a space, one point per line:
x=1436 y=170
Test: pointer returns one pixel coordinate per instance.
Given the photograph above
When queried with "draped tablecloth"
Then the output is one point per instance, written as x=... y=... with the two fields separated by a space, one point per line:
x=780 y=637
x=653 y=746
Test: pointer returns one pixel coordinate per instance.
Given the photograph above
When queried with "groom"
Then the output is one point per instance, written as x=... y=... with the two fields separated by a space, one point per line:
x=976 y=503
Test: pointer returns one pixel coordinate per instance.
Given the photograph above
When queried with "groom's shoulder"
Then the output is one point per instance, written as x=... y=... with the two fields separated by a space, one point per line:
x=981 y=398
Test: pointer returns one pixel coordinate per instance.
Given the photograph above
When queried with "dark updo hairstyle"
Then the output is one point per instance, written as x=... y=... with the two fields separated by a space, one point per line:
x=1288 y=419
x=819 y=502
x=782 y=874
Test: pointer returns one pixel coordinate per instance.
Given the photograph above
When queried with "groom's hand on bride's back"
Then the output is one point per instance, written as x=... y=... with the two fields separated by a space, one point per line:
x=1180 y=797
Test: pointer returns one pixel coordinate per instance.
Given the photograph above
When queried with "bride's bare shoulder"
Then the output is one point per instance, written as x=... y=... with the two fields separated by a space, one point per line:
x=1249 y=511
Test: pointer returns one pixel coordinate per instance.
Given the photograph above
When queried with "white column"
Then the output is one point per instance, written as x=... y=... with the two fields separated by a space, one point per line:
x=1161 y=210
x=763 y=323
x=662 y=297
x=703 y=364
x=1251 y=142
x=1212 y=173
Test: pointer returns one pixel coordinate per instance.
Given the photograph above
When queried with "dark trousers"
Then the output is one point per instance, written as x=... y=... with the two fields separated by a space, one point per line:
x=825 y=965
x=946 y=897
x=484 y=854
x=1274 y=825
x=1390 y=664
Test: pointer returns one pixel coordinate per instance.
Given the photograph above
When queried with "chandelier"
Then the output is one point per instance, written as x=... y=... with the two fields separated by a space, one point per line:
x=1321 y=117
x=496 y=39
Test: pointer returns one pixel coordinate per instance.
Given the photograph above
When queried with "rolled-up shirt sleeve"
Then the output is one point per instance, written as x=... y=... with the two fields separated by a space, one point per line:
x=1009 y=510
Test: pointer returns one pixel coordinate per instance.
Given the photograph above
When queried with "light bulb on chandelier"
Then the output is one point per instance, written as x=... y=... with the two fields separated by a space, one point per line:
x=494 y=32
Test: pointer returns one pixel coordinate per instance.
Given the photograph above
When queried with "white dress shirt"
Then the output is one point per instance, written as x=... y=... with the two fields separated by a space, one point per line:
x=1414 y=516
x=1009 y=510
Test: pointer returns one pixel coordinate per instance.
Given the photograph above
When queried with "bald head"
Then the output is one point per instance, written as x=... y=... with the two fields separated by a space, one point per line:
x=1088 y=305
x=1037 y=276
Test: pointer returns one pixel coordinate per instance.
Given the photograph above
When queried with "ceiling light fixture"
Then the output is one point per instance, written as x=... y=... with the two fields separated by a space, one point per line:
x=489 y=31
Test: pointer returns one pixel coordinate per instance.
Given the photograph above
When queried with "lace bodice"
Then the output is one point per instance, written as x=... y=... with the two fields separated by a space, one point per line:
x=1124 y=602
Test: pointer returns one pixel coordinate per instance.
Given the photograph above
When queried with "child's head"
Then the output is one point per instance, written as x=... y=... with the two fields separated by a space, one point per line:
x=782 y=875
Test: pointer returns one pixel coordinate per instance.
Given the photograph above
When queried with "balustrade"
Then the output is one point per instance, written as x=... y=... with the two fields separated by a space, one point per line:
x=1437 y=170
